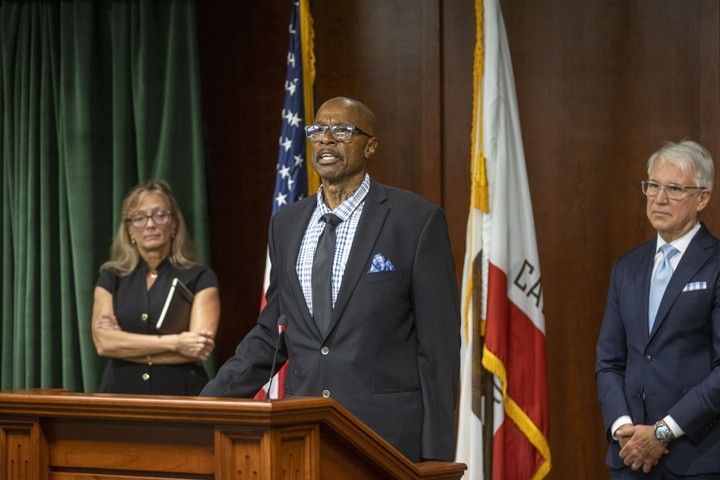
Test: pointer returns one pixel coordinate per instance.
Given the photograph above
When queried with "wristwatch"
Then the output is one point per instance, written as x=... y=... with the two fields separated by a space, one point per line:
x=663 y=432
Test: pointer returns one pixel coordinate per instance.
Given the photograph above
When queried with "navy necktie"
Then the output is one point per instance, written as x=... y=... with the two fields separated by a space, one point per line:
x=322 y=273
x=659 y=282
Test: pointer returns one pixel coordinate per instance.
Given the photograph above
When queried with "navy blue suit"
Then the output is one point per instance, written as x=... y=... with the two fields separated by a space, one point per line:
x=675 y=369
x=392 y=354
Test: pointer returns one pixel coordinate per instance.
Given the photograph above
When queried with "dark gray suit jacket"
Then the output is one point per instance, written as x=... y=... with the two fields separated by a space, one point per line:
x=675 y=369
x=391 y=356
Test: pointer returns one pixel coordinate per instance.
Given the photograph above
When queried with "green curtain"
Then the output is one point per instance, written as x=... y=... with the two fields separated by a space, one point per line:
x=95 y=97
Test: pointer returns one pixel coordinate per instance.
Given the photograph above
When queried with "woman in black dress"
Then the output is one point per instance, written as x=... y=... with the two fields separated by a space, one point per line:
x=150 y=249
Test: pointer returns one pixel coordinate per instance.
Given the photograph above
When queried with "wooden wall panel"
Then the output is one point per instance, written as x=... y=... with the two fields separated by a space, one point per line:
x=600 y=86
x=387 y=55
x=242 y=47
x=709 y=77
x=458 y=44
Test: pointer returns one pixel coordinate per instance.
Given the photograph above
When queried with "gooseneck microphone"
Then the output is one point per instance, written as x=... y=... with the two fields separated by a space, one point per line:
x=282 y=322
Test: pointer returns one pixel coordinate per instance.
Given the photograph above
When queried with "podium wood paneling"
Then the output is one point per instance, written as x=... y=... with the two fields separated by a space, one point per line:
x=57 y=435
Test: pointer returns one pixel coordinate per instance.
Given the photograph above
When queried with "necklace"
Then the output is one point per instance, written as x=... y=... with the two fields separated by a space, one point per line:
x=153 y=274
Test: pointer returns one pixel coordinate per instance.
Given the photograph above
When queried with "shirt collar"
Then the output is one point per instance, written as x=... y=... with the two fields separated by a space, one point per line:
x=346 y=208
x=680 y=243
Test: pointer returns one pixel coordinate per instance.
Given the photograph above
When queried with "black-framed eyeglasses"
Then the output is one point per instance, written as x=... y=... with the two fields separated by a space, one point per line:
x=672 y=190
x=341 y=132
x=161 y=217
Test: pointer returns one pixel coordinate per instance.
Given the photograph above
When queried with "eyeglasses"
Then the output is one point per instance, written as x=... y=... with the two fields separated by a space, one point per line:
x=160 y=217
x=672 y=190
x=341 y=132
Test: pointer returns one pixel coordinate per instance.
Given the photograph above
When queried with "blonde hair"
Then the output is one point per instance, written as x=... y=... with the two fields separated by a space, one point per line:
x=124 y=256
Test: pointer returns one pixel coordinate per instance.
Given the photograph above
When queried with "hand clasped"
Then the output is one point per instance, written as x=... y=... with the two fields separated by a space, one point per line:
x=640 y=448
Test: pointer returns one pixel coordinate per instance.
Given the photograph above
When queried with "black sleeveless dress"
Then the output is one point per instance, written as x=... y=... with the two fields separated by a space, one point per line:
x=137 y=310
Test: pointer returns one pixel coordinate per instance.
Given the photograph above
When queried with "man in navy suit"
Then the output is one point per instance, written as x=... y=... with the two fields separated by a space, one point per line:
x=658 y=374
x=389 y=349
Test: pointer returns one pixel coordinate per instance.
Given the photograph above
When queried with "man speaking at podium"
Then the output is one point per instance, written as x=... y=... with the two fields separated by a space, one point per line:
x=364 y=275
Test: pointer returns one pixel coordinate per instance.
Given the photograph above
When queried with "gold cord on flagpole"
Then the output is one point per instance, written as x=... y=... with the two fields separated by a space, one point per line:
x=307 y=39
x=479 y=195
x=479 y=184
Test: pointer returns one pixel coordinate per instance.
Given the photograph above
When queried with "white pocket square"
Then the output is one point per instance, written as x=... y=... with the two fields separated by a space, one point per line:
x=692 y=286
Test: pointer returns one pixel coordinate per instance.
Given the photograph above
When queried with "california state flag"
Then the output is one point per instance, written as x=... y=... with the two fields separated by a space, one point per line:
x=503 y=425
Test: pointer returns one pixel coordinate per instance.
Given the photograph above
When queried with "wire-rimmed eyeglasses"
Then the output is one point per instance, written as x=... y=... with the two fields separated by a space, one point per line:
x=342 y=132
x=672 y=190
x=161 y=217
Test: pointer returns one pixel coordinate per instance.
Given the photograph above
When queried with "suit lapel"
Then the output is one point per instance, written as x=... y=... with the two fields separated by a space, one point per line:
x=698 y=252
x=368 y=229
x=294 y=242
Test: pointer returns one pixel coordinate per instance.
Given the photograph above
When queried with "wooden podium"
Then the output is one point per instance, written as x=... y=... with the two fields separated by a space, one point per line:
x=58 y=435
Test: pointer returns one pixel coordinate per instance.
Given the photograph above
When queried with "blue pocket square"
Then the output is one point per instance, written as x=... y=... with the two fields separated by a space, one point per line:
x=695 y=286
x=381 y=264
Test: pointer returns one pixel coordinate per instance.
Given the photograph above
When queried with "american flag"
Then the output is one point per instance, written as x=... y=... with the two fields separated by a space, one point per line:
x=291 y=180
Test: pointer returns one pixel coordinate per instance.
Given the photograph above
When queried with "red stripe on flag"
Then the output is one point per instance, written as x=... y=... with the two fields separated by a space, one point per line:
x=513 y=455
x=279 y=379
x=513 y=338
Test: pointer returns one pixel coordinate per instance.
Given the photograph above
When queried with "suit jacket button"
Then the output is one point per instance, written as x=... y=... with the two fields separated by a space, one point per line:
x=647 y=358
x=324 y=350
x=144 y=317
x=146 y=376
x=326 y=393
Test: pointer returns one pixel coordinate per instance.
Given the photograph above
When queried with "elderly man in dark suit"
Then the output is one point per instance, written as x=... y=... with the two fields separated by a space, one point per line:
x=385 y=341
x=658 y=354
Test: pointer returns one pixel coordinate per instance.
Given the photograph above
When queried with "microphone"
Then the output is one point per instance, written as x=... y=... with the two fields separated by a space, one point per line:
x=282 y=322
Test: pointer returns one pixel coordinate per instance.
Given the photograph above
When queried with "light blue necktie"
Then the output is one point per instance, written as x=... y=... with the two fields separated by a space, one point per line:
x=659 y=282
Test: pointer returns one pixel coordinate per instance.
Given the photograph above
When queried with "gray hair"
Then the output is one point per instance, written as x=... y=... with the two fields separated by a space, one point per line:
x=689 y=157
